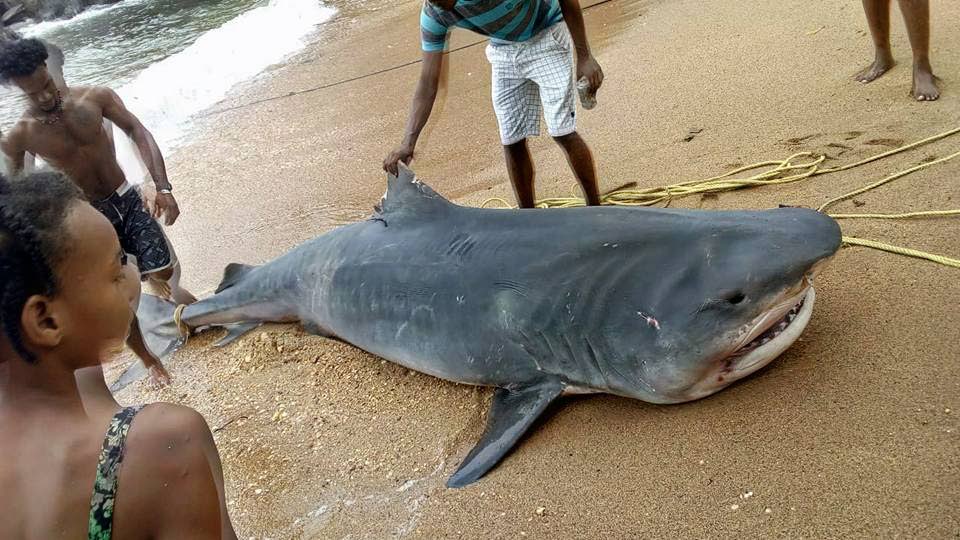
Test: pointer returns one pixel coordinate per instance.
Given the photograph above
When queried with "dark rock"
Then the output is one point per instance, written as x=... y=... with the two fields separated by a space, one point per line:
x=21 y=10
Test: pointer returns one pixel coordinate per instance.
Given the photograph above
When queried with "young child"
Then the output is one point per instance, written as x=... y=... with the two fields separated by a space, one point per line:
x=65 y=305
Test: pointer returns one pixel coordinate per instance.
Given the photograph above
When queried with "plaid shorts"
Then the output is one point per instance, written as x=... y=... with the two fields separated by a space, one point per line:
x=533 y=77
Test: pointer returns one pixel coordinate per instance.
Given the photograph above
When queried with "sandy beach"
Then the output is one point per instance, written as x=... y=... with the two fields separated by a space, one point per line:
x=854 y=432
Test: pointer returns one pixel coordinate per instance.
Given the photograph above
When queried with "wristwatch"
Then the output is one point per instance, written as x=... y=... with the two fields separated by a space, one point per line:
x=165 y=191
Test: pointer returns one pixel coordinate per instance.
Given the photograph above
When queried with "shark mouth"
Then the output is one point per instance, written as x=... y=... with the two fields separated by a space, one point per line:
x=773 y=331
x=772 y=334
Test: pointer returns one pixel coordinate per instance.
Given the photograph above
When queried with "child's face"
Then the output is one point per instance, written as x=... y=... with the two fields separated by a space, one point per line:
x=94 y=304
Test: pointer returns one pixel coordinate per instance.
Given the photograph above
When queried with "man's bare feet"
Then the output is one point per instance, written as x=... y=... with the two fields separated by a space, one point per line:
x=880 y=65
x=924 y=85
x=158 y=376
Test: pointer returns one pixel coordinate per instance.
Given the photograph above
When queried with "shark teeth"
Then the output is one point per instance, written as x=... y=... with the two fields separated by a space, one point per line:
x=771 y=333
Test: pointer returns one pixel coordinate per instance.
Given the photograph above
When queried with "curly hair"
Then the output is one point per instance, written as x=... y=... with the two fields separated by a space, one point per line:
x=33 y=244
x=21 y=57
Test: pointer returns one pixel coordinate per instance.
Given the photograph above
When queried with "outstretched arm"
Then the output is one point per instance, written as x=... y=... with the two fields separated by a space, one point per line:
x=115 y=111
x=423 y=99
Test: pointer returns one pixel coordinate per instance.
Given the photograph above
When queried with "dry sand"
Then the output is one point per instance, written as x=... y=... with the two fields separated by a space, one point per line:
x=853 y=432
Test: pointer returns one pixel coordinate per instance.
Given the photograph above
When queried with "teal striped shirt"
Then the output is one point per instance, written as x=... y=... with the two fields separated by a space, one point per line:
x=509 y=20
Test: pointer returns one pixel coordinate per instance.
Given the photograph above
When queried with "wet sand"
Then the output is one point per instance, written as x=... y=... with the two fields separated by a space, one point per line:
x=853 y=432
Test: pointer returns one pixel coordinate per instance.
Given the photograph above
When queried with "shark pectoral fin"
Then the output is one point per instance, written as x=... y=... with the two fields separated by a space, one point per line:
x=235 y=331
x=511 y=414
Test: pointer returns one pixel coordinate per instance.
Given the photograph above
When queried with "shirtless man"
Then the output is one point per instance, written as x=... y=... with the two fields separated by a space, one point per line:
x=916 y=15
x=55 y=69
x=65 y=127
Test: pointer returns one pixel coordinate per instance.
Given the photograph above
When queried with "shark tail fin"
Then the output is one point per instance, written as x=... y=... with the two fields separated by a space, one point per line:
x=157 y=318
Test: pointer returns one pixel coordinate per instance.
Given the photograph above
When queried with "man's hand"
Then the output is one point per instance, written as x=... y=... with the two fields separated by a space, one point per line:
x=588 y=68
x=403 y=153
x=166 y=204
x=148 y=194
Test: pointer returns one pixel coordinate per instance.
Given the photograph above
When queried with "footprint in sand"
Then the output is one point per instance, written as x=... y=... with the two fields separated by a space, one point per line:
x=838 y=145
x=892 y=143
x=841 y=149
x=796 y=141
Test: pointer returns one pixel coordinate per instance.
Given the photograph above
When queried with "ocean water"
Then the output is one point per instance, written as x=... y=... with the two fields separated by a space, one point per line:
x=172 y=59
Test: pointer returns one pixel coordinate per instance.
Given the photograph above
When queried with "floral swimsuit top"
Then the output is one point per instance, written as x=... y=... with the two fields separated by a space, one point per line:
x=100 y=525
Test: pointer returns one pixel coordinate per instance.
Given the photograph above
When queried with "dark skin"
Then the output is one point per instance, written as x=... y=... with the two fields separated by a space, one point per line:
x=76 y=142
x=65 y=126
x=518 y=160
x=167 y=487
x=97 y=400
x=916 y=15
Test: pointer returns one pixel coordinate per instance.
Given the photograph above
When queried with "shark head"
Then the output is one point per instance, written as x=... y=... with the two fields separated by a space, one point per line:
x=732 y=296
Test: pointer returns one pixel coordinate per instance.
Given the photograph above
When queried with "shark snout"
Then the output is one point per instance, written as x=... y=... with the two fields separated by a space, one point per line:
x=818 y=237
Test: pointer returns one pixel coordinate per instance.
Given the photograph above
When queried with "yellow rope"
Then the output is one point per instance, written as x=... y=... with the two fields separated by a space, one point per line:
x=178 y=320
x=782 y=172
x=495 y=199
x=910 y=146
x=929 y=213
x=664 y=194
x=851 y=240
x=890 y=178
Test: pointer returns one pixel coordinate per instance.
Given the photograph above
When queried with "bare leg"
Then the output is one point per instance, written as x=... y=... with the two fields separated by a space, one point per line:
x=168 y=282
x=179 y=294
x=916 y=15
x=520 y=169
x=158 y=374
x=581 y=162
x=878 y=18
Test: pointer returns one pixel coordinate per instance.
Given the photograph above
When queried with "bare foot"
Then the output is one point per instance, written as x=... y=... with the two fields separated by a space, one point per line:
x=924 y=85
x=880 y=65
x=158 y=377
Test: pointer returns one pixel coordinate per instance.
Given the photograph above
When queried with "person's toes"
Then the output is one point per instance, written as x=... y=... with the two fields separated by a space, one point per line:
x=926 y=94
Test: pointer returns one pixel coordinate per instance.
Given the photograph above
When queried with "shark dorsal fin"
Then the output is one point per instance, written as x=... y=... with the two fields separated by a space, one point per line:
x=406 y=195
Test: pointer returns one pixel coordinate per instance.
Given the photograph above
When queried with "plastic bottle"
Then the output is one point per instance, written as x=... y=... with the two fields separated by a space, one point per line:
x=587 y=97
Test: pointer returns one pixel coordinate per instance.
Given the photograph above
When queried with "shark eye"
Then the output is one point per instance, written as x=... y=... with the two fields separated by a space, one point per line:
x=733 y=297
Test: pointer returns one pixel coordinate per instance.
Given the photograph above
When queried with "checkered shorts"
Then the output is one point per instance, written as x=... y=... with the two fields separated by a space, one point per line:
x=533 y=76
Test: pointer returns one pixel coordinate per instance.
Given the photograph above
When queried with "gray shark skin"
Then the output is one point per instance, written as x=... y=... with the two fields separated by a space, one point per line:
x=661 y=305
